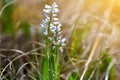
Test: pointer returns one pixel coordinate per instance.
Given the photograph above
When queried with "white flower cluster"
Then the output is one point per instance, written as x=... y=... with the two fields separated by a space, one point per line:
x=51 y=27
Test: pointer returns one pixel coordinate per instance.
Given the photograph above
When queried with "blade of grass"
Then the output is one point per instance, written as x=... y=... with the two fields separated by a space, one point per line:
x=108 y=69
x=90 y=57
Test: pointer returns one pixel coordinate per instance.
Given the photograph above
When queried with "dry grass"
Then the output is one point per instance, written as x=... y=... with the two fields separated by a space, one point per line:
x=102 y=15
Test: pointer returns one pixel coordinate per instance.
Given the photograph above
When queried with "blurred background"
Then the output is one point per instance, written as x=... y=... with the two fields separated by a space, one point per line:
x=20 y=24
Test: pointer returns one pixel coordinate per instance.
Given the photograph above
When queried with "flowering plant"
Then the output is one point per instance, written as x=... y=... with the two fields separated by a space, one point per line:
x=51 y=27
x=51 y=30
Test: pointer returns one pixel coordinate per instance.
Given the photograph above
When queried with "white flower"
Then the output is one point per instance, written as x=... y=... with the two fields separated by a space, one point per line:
x=52 y=24
x=55 y=8
x=47 y=6
x=54 y=15
x=55 y=19
x=54 y=5
x=47 y=10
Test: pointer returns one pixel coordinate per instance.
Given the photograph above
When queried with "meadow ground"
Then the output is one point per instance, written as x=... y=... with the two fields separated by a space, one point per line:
x=90 y=27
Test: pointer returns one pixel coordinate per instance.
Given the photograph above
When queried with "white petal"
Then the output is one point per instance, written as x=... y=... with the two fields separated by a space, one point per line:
x=52 y=25
x=55 y=10
x=47 y=6
x=56 y=22
x=61 y=49
x=59 y=32
x=54 y=15
x=63 y=40
x=59 y=25
x=54 y=4
x=45 y=33
x=55 y=19
x=47 y=10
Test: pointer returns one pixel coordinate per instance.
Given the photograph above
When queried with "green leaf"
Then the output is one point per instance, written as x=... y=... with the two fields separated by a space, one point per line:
x=46 y=68
x=74 y=76
x=26 y=28
x=7 y=21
